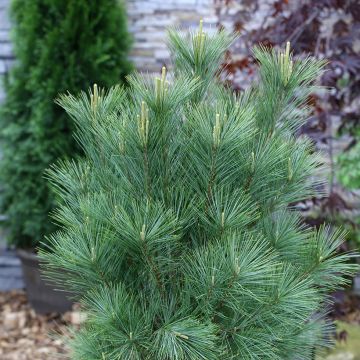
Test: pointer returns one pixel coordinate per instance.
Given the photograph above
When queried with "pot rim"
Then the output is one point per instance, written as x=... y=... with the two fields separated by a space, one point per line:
x=27 y=255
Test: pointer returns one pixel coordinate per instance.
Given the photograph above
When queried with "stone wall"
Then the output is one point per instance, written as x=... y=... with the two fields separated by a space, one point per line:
x=148 y=20
x=6 y=58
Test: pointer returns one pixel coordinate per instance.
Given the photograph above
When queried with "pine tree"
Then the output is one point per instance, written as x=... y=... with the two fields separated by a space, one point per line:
x=59 y=46
x=177 y=232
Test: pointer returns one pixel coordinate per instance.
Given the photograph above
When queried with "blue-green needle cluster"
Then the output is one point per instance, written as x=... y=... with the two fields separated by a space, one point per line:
x=177 y=233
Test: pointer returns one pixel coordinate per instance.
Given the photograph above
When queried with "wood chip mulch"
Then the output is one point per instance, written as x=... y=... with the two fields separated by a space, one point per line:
x=25 y=335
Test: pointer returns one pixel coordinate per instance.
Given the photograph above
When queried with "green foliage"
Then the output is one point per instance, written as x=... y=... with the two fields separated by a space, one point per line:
x=349 y=168
x=59 y=46
x=177 y=234
x=348 y=174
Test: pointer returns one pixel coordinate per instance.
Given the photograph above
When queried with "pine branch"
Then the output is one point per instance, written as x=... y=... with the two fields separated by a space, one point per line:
x=176 y=229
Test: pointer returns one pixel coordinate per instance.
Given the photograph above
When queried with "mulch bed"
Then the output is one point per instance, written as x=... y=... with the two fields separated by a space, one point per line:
x=24 y=335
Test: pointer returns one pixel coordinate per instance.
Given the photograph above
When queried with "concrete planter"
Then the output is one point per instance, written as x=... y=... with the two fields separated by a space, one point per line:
x=41 y=295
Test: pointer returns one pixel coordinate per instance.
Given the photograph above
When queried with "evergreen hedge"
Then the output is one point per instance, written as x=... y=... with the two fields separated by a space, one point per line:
x=59 y=46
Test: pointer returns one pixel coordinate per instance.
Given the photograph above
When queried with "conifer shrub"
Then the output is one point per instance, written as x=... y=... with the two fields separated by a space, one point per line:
x=59 y=46
x=177 y=232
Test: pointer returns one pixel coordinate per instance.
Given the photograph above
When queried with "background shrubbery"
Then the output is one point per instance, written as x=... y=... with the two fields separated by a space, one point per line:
x=326 y=29
x=59 y=46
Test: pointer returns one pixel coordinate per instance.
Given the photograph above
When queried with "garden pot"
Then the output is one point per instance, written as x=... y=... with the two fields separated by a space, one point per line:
x=41 y=294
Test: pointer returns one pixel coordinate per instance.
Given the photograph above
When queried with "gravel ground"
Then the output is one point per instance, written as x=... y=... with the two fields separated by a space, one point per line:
x=24 y=335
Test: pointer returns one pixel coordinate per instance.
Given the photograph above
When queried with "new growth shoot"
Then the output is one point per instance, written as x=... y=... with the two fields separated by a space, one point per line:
x=217 y=131
x=143 y=123
x=161 y=85
x=199 y=42
x=94 y=98
x=286 y=64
